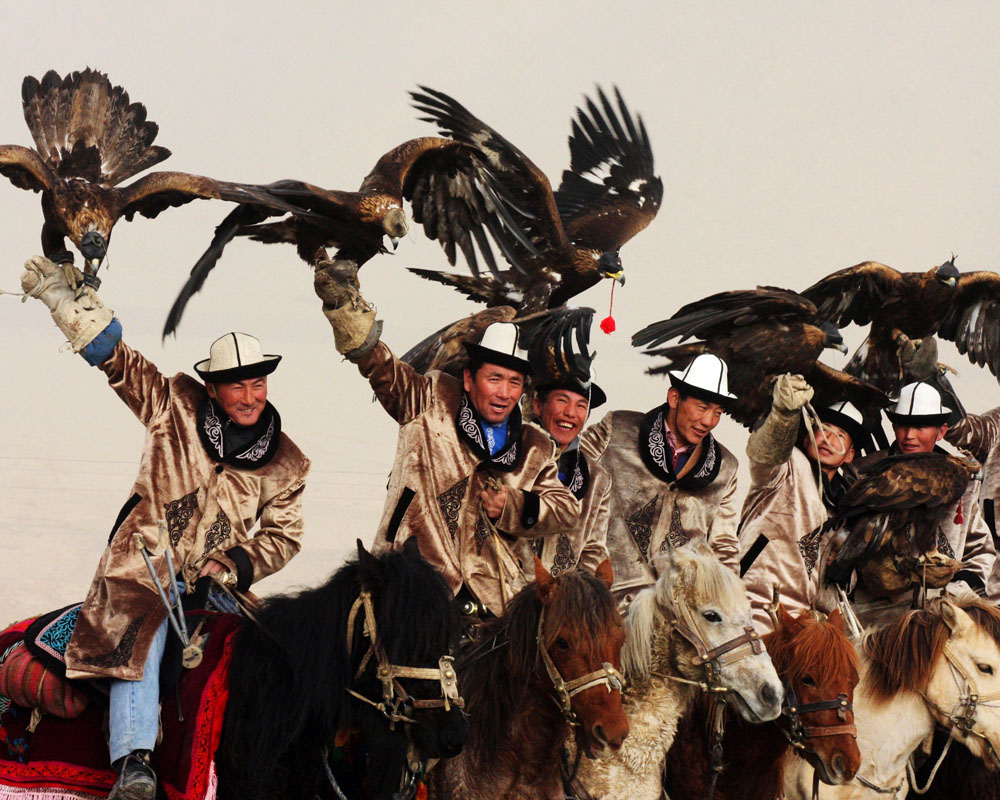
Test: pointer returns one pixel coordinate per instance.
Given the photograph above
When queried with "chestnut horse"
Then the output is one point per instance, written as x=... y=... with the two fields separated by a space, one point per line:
x=691 y=628
x=547 y=666
x=819 y=669
x=918 y=672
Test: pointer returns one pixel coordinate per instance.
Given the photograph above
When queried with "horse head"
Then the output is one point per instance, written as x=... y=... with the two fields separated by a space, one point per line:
x=695 y=622
x=949 y=654
x=580 y=638
x=819 y=668
x=401 y=639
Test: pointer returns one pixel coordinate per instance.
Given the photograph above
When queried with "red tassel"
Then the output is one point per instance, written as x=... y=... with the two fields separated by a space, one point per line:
x=608 y=323
x=958 y=515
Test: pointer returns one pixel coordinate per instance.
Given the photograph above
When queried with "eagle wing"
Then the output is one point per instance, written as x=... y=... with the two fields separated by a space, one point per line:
x=717 y=315
x=558 y=343
x=855 y=294
x=537 y=234
x=833 y=385
x=444 y=349
x=25 y=169
x=605 y=212
x=973 y=323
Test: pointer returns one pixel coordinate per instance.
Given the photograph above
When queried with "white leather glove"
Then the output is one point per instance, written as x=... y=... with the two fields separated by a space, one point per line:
x=791 y=392
x=81 y=316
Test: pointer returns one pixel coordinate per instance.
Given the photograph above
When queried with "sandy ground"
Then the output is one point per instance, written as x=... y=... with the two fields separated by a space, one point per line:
x=793 y=140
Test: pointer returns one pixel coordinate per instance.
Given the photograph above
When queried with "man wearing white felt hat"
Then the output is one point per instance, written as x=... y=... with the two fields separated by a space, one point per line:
x=780 y=534
x=215 y=465
x=919 y=422
x=469 y=479
x=672 y=481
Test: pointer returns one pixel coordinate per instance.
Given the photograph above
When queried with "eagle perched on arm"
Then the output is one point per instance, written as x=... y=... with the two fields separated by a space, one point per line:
x=760 y=334
x=560 y=243
x=903 y=307
x=891 y=514
x=89 y=137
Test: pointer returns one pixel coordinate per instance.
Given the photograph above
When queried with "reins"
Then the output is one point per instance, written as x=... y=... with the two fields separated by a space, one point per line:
x=607 y=676
x=396 y=703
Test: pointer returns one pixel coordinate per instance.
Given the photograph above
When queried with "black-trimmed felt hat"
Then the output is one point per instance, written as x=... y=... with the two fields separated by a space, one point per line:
x=235 y=357
x=594 y=393
x=919 y=405
x=846 y=417
x=706 y=377
x=499 y=346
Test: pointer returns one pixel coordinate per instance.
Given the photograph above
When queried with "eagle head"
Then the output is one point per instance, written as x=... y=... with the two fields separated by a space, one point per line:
x=833 y=337
x=610 y=266
x=947 y=273
x=93 y=247
x=395 y=225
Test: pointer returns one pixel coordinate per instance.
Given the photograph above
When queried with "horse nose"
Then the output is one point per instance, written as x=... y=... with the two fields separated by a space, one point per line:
x=609 y=738
x=453 y=738
x=768 y=696
x=839 y=765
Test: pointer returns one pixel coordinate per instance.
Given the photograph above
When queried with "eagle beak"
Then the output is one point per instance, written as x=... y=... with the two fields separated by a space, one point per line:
x=394 y=241
x=952 y=283
x=841 y=347
x=617 y=276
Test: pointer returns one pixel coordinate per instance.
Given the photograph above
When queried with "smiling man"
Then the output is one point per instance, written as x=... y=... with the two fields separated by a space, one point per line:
x=469 y=479
x=215 y=464
x=780 y=535
x=561 y=408
x=672 y=482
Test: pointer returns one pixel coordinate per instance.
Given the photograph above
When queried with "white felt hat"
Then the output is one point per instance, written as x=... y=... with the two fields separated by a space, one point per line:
x=235 y=357
x=707 y=377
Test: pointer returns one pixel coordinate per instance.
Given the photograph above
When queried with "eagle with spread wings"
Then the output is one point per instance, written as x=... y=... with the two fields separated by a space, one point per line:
x=903 y=307
x=447 y=182
x=892 y=511
x=760 y=334
x=558 y=244
x=89 y=137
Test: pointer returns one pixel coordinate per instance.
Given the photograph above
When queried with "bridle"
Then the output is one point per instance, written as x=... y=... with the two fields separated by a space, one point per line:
x=798 y=733
x=963 y=716
x=607 y=676
x=396 y=704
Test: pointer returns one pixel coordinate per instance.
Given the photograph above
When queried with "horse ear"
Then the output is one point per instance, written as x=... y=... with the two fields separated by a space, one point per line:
x=545 y=584
x=412 y=548
x=957 y=620
x=837 y=620
x=368 y=563
x=786 y=620
x=606 y=573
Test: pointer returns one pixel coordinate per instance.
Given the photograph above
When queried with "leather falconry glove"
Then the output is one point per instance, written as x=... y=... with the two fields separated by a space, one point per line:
x=355 y=329
x=771 y=444
x=79 y=313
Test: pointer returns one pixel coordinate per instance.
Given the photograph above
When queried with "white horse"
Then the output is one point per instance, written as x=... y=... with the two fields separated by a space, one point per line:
x=917 y=671
x=692 y=627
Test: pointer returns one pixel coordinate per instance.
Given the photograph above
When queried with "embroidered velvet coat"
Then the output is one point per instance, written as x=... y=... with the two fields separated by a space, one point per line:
x=205 y=507
x=442 y=465
x=586 y=545
x=780 y=538
x=651 y=507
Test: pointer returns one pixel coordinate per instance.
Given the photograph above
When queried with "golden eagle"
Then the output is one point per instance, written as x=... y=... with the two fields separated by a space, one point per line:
x=558 y=243
x=893 y=510
x=448 y=181
x=906 y=306
x=760 y=334
x=89 y=137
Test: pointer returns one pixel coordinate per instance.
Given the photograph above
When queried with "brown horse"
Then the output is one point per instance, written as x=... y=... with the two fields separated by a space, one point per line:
x=818 y=667
x=563 y=630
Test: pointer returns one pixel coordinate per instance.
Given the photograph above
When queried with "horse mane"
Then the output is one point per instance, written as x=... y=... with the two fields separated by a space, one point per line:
x=703 y=579
x=815 y=644
x=903 y=653
x=494 y=675
x=290 y=673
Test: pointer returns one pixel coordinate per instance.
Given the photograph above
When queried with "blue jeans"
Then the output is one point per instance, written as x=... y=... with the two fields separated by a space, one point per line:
x=134 y=715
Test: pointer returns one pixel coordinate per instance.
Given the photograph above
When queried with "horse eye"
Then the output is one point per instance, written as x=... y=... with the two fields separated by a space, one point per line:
x=808 y=680
x=986 y=669
x=562 y=644
x=712 y=616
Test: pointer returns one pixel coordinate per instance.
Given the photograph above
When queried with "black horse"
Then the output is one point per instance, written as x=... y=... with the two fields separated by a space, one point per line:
x=292 y=673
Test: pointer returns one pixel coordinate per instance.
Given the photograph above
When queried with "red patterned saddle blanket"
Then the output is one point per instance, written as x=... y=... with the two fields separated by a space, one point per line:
x=68 y=758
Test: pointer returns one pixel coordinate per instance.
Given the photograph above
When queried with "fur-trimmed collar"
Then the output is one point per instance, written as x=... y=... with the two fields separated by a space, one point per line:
x=653 y=450
x=249 y=452
x=508 y=457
